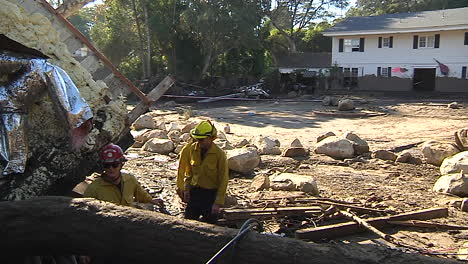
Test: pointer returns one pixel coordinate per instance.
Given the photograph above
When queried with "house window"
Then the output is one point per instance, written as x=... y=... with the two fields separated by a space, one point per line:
x=350 y=77
x=386 y=42
x=464 y=73
x=384 y=72
x=426 y=41
x=351 y=45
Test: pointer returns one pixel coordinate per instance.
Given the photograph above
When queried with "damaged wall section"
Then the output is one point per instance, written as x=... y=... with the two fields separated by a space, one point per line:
x=50 y=157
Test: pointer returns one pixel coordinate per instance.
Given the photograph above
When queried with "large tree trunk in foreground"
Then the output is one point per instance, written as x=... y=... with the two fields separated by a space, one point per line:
x=61 y=225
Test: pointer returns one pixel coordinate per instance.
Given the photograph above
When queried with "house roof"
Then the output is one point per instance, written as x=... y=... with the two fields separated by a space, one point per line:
x=447 y=19
x=305 y=60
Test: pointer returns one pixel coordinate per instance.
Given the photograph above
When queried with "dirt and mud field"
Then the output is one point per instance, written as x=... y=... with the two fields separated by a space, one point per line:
x=385 y=123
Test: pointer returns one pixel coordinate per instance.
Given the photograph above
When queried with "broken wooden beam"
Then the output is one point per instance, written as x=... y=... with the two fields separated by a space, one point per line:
x=366 y=225
x=217 y=98
x=426 y=224
x=353 y=207
x=349 y=228
x=262 y=213
x=62 y=226
x=152 y=96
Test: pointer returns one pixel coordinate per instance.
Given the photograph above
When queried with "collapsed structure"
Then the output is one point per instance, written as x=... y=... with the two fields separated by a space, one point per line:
x=50 y=160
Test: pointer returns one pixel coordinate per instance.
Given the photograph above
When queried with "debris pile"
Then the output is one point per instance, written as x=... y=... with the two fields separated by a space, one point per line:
x=51 y=160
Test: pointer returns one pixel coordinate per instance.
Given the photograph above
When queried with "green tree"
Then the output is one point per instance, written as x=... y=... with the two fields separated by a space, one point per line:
x=292 y=17
x=219 y=26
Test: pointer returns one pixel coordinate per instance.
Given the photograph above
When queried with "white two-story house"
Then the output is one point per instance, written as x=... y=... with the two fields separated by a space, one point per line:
x=421 y=51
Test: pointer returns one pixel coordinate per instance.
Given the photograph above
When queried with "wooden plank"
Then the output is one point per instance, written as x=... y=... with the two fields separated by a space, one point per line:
x=419 y=223
x=354 y=207
x=153 y=96
x=237 y=214
x=349 y=228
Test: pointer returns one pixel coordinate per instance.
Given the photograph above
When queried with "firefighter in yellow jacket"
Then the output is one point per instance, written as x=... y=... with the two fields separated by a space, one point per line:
x=113 y=185
x=203 y=175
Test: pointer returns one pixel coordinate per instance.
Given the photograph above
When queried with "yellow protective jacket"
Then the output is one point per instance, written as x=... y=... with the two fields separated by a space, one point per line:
x=131 y=190
x=210 y=173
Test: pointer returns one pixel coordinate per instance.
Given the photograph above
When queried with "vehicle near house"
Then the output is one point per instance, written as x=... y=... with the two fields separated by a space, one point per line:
x=420 y=51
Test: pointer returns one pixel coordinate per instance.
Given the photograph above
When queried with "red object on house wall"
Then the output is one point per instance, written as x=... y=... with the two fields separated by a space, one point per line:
x=444 y=69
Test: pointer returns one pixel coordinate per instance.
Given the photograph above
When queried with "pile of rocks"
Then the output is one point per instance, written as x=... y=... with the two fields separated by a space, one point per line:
x=168 y=138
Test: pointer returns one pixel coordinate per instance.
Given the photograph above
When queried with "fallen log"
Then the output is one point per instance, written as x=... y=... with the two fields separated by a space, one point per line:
x=61 y=225
x=349 y=228
x=239 y=214
x=426 y=224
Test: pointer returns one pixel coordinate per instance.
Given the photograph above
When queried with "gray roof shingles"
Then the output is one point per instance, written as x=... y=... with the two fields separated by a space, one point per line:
x=399 y=21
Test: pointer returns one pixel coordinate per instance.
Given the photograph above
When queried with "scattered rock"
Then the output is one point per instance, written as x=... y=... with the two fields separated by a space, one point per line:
x=455 y=163
x=324 y=136
x=243 y=160
x=435 y=151
x=404 y=157
x=244 y=142
x=360 y=145
x=464 y=205
x=144 y=121
x=172 y=126
x=188 y=127
x=223 y=144
x=174 y=135
x=335 y=147
x=346 y=105
x=384 y=155
x=227 y=129
x=294 y=182
x=330 y=101
x=455 y=183
x=155 y=133
x=294 y=152
x=158 y=145
x=260 y=182
x=267 y=145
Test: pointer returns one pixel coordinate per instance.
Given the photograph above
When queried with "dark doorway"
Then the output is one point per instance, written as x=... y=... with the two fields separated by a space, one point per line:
x=424 y=79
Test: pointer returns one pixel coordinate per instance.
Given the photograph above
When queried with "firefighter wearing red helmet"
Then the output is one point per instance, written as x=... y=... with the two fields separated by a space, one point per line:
x=115 y=186
x=203 y=176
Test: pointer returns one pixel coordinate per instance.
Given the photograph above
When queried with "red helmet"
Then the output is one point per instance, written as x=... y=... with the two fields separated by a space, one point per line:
x=111 y=153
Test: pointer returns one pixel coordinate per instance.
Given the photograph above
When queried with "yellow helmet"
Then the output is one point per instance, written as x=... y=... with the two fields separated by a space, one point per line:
x=203 y=130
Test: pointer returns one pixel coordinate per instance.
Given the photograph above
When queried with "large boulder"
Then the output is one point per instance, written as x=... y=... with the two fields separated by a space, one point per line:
x=455 y=183
x=159 y=145
x=243 y=160
x=455 y=163
x=294 y=182
x=435 y=151
x=346 y=105
x=144 y=121
x=335 y=147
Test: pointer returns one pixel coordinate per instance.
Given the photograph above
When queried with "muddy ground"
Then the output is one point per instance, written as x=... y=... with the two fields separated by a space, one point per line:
x=385 y=123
